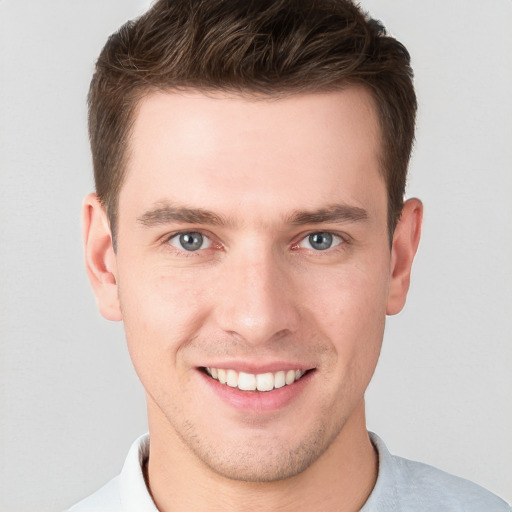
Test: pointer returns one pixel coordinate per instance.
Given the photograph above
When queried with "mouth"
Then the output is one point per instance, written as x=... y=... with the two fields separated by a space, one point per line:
x=259 y=394
x=255 y=382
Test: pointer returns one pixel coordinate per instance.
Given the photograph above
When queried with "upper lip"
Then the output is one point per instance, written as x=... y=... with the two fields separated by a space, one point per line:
x=258 y=368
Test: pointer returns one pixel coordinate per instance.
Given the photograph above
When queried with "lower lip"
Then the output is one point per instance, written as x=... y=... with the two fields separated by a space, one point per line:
x=258 y=401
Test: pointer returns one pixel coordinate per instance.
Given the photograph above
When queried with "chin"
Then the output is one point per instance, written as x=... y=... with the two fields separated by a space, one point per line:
x=259 y=458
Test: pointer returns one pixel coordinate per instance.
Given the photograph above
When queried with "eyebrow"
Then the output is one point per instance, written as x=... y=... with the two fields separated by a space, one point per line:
x=165 y=213
x=336 y=213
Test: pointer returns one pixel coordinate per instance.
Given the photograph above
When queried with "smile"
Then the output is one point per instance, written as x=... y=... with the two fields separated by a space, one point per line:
x=255 y=382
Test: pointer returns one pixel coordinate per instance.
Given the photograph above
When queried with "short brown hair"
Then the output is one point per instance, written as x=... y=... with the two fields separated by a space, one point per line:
x=269 y=47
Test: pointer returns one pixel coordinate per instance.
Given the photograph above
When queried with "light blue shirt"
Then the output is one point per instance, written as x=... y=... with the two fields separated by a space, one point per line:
x=402 y=486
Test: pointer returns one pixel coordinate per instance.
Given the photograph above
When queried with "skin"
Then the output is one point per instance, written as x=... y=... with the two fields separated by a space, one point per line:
x=256 y=294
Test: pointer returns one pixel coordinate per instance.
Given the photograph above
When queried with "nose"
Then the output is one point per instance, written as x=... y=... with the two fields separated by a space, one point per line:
x=256 y=300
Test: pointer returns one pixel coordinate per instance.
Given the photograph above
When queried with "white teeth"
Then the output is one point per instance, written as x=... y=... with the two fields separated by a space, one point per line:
x=251 y=382
x=279 y=379
x=221 y=375
x=290 y=377
x=232 y=379
x=246 y=381
x=265 y=381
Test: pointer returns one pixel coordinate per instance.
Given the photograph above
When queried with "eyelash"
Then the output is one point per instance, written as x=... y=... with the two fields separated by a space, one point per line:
x=344 y=240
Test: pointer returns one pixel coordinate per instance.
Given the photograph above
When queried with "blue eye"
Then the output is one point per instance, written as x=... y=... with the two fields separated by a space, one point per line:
x=320 y=241
x=191 y=241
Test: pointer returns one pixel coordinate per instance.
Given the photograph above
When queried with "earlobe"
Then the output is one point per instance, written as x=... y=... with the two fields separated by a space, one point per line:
x=100 y=258
x=405 y=243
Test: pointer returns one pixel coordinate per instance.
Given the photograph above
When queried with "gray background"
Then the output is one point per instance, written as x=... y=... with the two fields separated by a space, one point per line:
x=70 y=402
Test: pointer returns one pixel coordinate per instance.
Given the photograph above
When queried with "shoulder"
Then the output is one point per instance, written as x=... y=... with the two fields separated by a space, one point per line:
x=411 y=485
x=107 y=498
x=437 y=488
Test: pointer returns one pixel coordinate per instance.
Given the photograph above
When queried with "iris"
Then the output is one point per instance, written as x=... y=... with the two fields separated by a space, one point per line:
x=320 y=241
x=191 y=241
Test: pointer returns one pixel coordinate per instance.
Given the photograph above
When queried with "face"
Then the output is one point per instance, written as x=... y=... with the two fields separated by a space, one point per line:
x=253 y=272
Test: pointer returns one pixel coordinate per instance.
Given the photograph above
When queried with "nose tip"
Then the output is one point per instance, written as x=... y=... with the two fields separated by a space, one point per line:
x=256 y=302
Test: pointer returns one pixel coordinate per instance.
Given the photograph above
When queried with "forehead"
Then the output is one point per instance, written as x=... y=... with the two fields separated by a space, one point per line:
x=230 y=153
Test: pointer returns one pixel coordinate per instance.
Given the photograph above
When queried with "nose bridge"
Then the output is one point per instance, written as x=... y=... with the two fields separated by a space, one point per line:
x=255 y=299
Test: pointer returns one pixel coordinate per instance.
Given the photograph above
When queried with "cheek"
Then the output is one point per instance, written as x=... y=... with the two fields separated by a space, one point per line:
x=160 y=315
x=349 y=308
x=164 y=304
x=353 y=297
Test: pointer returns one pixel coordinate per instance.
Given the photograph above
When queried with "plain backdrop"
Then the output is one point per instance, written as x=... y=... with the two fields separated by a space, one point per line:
x=70 y=401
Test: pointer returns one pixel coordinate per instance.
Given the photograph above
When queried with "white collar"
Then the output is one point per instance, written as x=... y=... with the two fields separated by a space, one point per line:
x=134 y=494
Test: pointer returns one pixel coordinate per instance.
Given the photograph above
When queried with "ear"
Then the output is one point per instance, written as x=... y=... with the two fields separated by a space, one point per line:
x=405 y=243
x=100 y=258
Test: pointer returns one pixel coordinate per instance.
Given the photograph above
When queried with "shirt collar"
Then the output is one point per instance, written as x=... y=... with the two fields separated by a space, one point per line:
x=383 y=497
x=135 y=496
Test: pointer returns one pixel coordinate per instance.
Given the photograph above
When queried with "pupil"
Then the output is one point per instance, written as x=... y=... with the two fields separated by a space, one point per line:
x=320 y=241
x=191 y=241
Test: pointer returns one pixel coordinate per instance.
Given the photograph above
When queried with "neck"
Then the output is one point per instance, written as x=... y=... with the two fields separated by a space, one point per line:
x=340 y=480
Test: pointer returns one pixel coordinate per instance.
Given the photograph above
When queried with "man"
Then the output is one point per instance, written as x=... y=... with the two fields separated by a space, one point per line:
x=249 y=229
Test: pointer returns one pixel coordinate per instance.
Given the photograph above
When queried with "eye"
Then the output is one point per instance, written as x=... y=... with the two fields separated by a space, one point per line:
x=190 y=241
x=320 y=241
